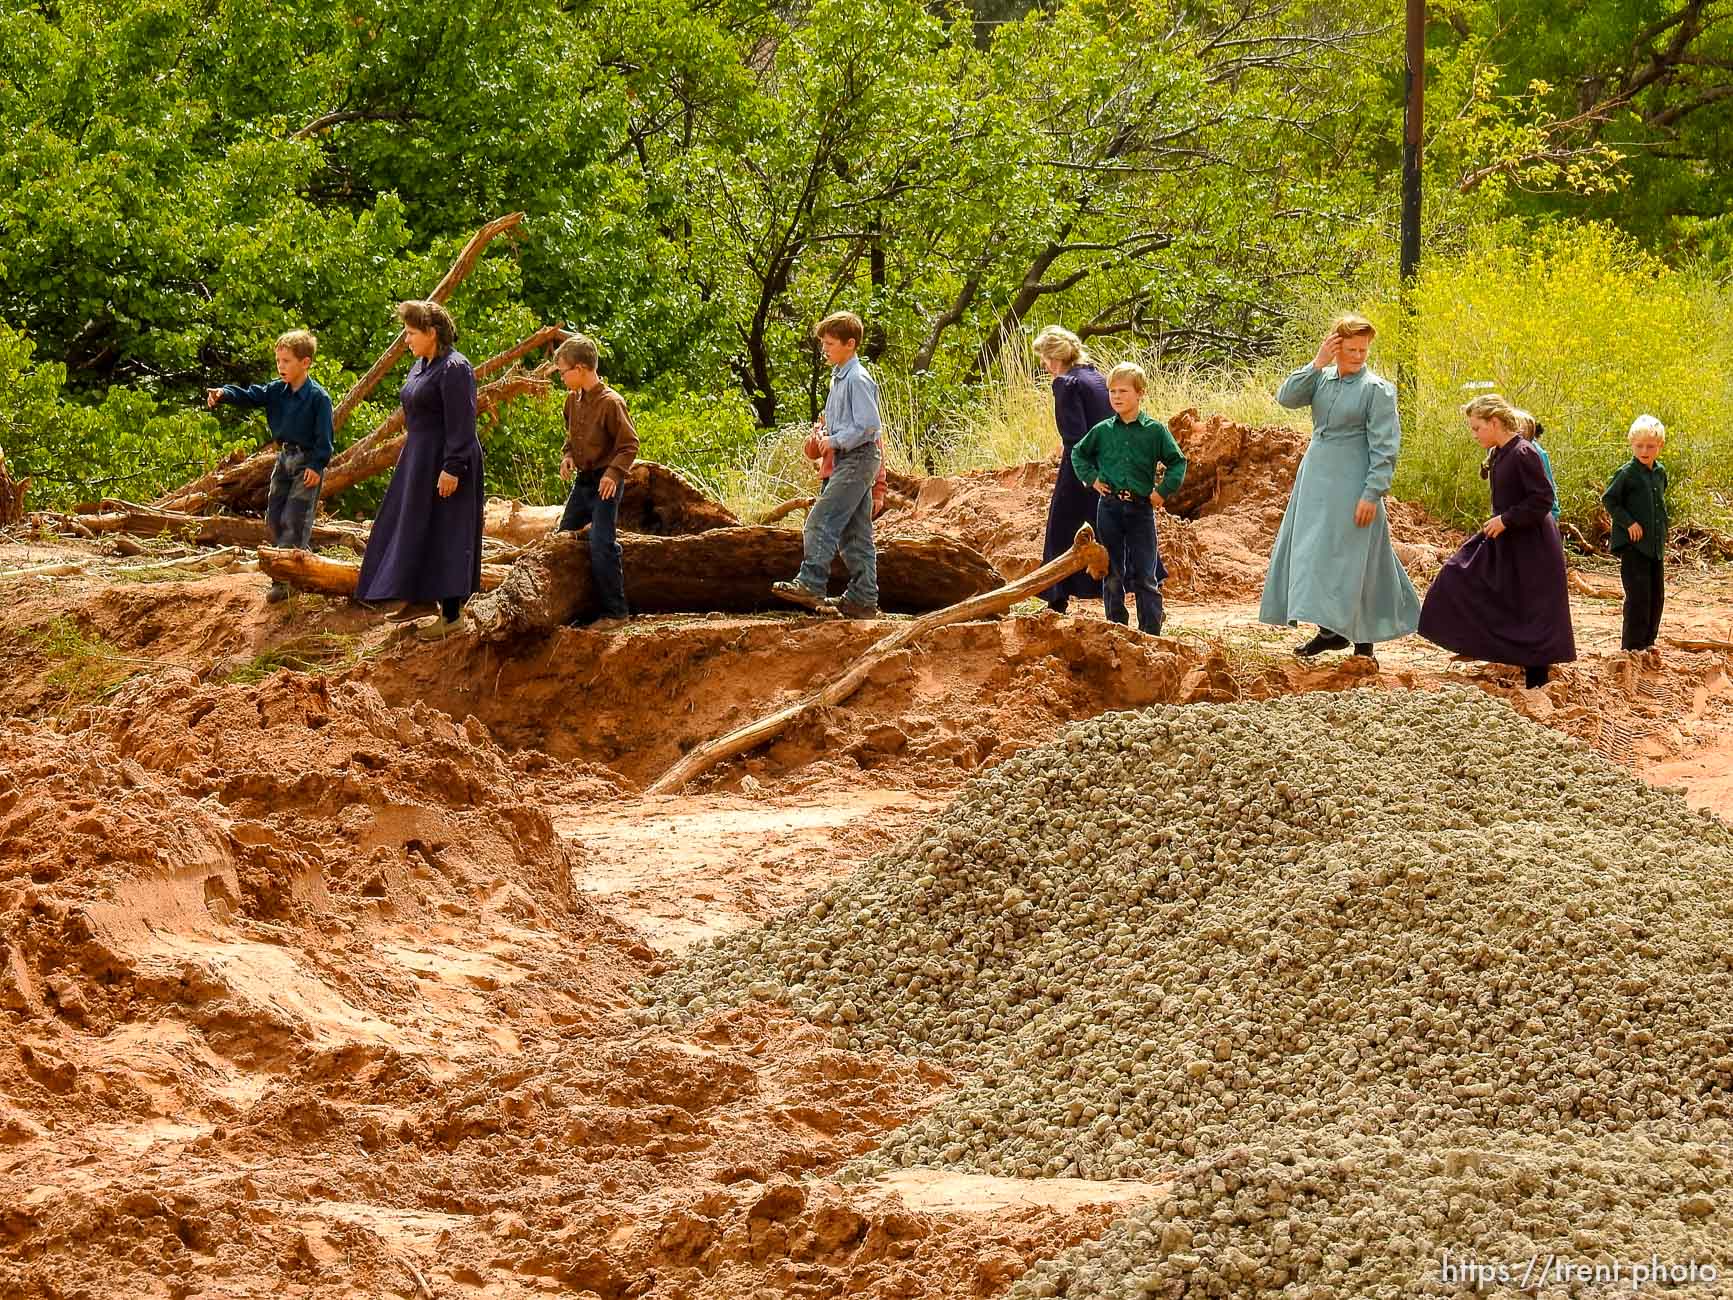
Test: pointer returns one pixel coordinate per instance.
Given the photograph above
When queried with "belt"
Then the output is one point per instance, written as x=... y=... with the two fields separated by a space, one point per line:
x=1118 y=494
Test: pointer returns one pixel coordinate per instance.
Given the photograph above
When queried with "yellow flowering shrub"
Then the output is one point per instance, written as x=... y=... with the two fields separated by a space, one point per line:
x=1580 y=326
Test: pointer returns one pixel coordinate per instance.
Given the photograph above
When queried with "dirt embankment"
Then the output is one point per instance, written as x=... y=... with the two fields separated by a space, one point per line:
x=318 y=984
x=304 y=994
x=1215 y=534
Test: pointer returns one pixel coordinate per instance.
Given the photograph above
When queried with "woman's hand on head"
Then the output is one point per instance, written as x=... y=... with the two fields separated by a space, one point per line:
x=1328 y=351
x=447 y=483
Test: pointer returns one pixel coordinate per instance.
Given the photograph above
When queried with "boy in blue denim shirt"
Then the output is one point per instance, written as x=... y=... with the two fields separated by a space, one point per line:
x=298 y=414
x=842 y=517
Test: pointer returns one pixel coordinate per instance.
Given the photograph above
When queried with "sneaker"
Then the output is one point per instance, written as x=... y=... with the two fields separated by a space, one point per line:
x=279 y=591
x=798 y=593
x=606 y=623
x=848 y=609
x=1320 y=643
x=440 y=628
x=410 y=611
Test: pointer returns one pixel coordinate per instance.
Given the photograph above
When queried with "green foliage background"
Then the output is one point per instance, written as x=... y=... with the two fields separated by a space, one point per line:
x=1199 y=183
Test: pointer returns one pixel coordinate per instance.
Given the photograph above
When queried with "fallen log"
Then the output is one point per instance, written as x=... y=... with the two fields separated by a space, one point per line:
x=725 y=569
x=246 y=478
x=11 y=495
x=466 y=260
x=787 y=508
x=208 y=530
x=59 y=570
x=1699 y=643
x=1597 y=585
x=655 y=499
x=1085 y=553
x=205 y=559
x=306 y=571
x=892 y=501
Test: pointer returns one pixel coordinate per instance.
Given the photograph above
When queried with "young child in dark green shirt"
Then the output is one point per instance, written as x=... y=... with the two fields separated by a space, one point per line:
x=1118 y=457
x=1637 y=501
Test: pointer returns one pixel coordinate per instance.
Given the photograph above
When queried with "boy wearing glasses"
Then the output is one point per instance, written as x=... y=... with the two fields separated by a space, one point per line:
x=600 y=447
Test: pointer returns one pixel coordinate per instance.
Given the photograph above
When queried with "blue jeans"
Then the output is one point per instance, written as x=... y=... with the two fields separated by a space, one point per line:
x=842 y=519
x=586 y=506
x=1127 y=530
x=291 y=505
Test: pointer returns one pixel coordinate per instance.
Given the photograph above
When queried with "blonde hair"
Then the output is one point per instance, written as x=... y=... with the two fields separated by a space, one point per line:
x=1056 y=343
x=1491 y=406
x=1647 y=424
x=1128 y=372
x=1526 y=425
x=1349 y=325
x=300 y=343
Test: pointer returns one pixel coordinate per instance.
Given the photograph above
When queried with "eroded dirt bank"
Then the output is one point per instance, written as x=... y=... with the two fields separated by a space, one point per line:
x=317 y=944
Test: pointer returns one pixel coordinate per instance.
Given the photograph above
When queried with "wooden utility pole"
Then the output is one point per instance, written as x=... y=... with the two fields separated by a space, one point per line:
x=1414 y=82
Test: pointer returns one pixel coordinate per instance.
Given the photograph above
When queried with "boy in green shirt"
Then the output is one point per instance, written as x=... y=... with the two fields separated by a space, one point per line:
x=1119 y=458
x=1637 y=501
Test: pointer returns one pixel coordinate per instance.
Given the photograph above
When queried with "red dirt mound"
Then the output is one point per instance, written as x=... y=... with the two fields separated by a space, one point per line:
x=1216 y=532
x=966 y=692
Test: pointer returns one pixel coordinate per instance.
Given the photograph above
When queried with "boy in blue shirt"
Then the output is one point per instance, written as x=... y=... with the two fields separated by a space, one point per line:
x=298 y=414
x=842 y=517
x=1119 y=458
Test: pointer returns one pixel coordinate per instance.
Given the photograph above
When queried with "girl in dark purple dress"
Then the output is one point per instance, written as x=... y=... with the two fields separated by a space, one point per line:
x=426 y=539
x=1079 y=404
x=1502 y=597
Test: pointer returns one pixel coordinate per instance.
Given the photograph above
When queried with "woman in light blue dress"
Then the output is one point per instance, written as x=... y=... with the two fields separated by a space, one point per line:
x=1333 y=564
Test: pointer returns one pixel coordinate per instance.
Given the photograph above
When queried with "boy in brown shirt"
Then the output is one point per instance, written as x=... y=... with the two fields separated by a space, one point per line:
x=600 y=446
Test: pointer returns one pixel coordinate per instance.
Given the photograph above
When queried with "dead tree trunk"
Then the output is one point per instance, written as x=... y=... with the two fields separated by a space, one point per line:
x=308 y=572
x=725 y=569
x=11 y=495
x=655 y=499
x=1085 y=553
x=208 y=530
x=246 y=478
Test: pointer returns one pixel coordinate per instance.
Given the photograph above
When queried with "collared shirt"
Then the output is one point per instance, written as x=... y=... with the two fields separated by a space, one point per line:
x=301 y=416
x=1638 y=495
x=1360 y=405
x=599 y=432
x=851 y=411
x=1124 y=456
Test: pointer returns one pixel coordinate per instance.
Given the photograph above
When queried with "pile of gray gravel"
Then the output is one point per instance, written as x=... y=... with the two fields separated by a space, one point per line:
x=1370 y=977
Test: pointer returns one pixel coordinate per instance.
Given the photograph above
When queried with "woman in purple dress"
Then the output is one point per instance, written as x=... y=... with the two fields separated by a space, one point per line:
x=426 y=540
x=1079 y=404
x=1502 y=597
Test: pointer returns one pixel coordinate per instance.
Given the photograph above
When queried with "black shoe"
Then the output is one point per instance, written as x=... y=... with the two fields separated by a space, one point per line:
x=1323 y=641
x=279 y=591
x=1363 y=649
